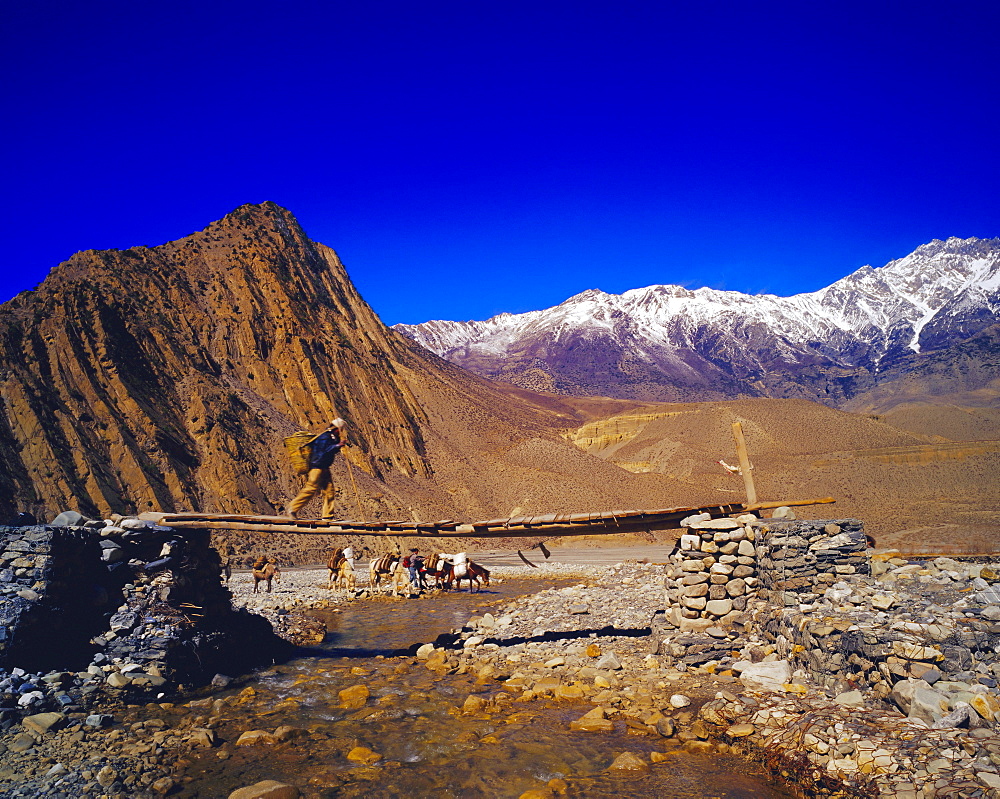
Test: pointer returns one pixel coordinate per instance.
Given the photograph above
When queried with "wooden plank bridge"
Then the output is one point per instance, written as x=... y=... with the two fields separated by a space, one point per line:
x=548 y=525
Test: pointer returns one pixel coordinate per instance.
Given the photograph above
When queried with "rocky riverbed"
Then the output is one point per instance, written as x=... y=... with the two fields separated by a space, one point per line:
x=932 y=733
x=734 y=687
x=753 y=686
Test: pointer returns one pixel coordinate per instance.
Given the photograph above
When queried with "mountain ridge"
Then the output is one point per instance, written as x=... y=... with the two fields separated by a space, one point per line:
x=164 y=378
x=664 y=342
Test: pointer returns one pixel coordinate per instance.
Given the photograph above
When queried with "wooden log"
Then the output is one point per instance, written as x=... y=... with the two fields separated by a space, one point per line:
x=745 y=468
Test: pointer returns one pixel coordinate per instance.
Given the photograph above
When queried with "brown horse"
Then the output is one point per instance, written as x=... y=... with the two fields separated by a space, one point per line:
x=437 y=565
x=474 y=573
x=333 y=564
x=264 y=571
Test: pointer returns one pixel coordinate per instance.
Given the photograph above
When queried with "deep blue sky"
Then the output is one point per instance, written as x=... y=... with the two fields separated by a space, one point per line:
x=468 y=158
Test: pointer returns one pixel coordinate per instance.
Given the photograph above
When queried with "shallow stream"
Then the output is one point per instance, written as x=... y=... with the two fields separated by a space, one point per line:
x=412 y=720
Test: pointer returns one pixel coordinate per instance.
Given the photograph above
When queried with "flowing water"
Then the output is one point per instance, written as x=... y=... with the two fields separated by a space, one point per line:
x=411 y=720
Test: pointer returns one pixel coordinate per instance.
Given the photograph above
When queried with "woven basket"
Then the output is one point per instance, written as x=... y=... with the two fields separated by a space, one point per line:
x=297 y=447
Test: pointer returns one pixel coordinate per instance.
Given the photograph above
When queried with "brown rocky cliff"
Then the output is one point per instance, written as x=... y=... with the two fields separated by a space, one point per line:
x=164 y=378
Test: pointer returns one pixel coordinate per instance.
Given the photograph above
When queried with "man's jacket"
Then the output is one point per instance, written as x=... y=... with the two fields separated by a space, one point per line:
x=323 y=450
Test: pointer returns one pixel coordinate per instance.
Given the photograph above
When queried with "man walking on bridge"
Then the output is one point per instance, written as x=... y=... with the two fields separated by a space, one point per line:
x=322 y=450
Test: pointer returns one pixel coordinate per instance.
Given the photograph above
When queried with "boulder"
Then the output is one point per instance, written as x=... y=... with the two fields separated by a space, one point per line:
x=627 y=761
x=850 y=698
x=609 y=662
x=473 y=704
x=364 y=755
x=41 y=723
x=266 y=789
x=69 y=518
x=256 y=738
x=927 y=705
x=593 y=721
x=286 y=732
x=425 y=651
x=202 y=736
x=719 y=607
x=771 y=676
x=354 y=697
x=725 y=523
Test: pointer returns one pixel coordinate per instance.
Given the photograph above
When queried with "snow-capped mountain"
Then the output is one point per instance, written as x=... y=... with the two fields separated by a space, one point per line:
x=670 y=343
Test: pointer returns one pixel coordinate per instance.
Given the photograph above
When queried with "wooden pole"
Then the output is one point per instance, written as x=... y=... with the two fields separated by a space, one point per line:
x=745 y=468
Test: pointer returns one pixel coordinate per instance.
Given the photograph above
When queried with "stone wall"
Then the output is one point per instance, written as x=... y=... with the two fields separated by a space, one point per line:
x=922 y=635
x=722 y=565
x=897 y=633
x=119 y=608
x=52 y=591
x=798 y=560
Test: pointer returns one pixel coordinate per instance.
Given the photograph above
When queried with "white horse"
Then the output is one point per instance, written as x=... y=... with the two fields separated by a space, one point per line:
x=345 y=579
x=389 y=567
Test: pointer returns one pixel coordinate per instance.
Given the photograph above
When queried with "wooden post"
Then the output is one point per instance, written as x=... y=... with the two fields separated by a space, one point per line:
x=745 y=468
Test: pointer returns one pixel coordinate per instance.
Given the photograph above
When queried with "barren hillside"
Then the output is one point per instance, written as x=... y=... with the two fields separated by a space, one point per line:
x=164 y=378
x=893 y=478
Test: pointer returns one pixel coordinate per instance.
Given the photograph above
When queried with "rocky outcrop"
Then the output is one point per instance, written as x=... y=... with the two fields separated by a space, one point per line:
x=99 y=611
x=164 y=377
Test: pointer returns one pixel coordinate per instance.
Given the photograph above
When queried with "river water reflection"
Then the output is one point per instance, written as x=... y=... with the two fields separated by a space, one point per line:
x=411 y=720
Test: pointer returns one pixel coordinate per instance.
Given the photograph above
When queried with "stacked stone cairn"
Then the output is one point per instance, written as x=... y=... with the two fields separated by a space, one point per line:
x=714 y=572
x=93 y=611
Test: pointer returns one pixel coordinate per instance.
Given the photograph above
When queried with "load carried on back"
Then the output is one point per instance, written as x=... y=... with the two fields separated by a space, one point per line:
x=298 y=447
